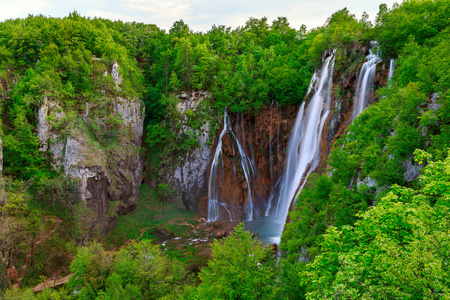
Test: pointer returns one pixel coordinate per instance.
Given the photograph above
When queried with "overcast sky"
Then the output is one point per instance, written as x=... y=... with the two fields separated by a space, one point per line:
x=200 y=15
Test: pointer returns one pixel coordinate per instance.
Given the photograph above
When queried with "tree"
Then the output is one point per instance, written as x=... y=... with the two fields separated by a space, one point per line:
x=179 y=29
x=240 y=268
x=399 y=249
x=138 y=271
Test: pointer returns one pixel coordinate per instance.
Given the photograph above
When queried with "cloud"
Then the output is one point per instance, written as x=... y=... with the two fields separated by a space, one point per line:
x=200 y=15
x=12 y=9
x=160 y=10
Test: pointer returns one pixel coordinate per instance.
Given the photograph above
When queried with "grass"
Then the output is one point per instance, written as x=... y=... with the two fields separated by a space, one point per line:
x=149 y=213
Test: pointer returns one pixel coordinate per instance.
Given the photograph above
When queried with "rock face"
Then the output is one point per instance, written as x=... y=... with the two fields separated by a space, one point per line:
x=50 y=110
x=105 y=163
x=343 y=99
x=263 y=137
x=191 y=175
x=412 y=170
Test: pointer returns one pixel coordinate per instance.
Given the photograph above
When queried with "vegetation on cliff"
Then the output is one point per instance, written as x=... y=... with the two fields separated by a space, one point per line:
x=366 y=226
x=375 y=154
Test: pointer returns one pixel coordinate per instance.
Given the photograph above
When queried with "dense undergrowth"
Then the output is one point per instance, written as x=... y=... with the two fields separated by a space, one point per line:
x=362 y=230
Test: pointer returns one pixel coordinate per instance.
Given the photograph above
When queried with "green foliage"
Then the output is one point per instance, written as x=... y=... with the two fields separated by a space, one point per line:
x=245 y=68
x=28 y=294
x=62 y=60
x=421 y=20
x=15 y=205
x=58 y=193
x=165 y=192
x=240 y=268
x=138 y=271
x=22 y=157
x=399 y=249
x=321 y=203
x=396 y=248
x=341 y=30
x=336 y=247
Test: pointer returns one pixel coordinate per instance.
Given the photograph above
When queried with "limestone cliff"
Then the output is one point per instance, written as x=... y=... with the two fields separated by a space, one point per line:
x=191 y=174
x=263 y=135
x=100 y=151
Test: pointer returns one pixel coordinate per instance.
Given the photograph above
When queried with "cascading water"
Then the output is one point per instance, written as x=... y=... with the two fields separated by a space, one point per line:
x=217 y=208
x=364 y=84
x=391 y=68
x=270 y=146
x=303 y=151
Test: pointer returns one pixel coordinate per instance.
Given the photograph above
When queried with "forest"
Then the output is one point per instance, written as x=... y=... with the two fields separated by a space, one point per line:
x=93 y=96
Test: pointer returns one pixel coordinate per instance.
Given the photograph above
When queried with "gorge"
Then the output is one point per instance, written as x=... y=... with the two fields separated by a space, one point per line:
x=260 y=162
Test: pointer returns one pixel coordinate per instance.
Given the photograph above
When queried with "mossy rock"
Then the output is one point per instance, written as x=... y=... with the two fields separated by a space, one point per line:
x=162 y=233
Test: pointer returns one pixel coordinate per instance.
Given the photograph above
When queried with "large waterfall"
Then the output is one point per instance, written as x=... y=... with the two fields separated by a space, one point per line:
x=364 y=84
x=218 y=209
x=304 y=147
x=303 y=154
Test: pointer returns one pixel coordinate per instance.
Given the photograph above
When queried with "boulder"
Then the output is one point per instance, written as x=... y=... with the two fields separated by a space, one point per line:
x=162 y=233
x=220 y=234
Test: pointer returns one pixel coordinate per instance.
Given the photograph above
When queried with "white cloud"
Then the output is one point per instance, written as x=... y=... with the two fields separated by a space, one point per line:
x=200 y=15
x=166 y=8
x=12 y=9
x=105 y=14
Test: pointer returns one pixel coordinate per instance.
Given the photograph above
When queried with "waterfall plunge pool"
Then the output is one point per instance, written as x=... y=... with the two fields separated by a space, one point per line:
x=268 y=229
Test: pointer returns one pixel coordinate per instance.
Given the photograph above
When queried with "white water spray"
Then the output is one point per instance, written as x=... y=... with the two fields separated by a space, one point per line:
x=217 y=208
x=364 y=84
x=304 y=146
x=391 y=68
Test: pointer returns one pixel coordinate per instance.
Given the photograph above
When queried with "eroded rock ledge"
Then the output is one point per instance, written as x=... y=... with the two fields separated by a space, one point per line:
x=103 y=159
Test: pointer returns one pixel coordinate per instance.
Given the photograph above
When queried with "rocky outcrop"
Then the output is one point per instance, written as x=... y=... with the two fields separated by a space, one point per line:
x=115 y=74
x=412 y=170
x=50 y=111
x=132 y=115
x=367 y=182
x=100 y=155
x=162 y=233
x=191 y=174
x=125 y=174
x=344 y=96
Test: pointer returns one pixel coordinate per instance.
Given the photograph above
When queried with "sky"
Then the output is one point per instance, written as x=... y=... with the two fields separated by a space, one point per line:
x=200 y=15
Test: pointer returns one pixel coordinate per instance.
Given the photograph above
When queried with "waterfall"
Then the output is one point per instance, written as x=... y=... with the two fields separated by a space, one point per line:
x=270 y=146
x=304 y=146
x=391 y=68
x=364 y=83
x=278 y=137
x=217 y=208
